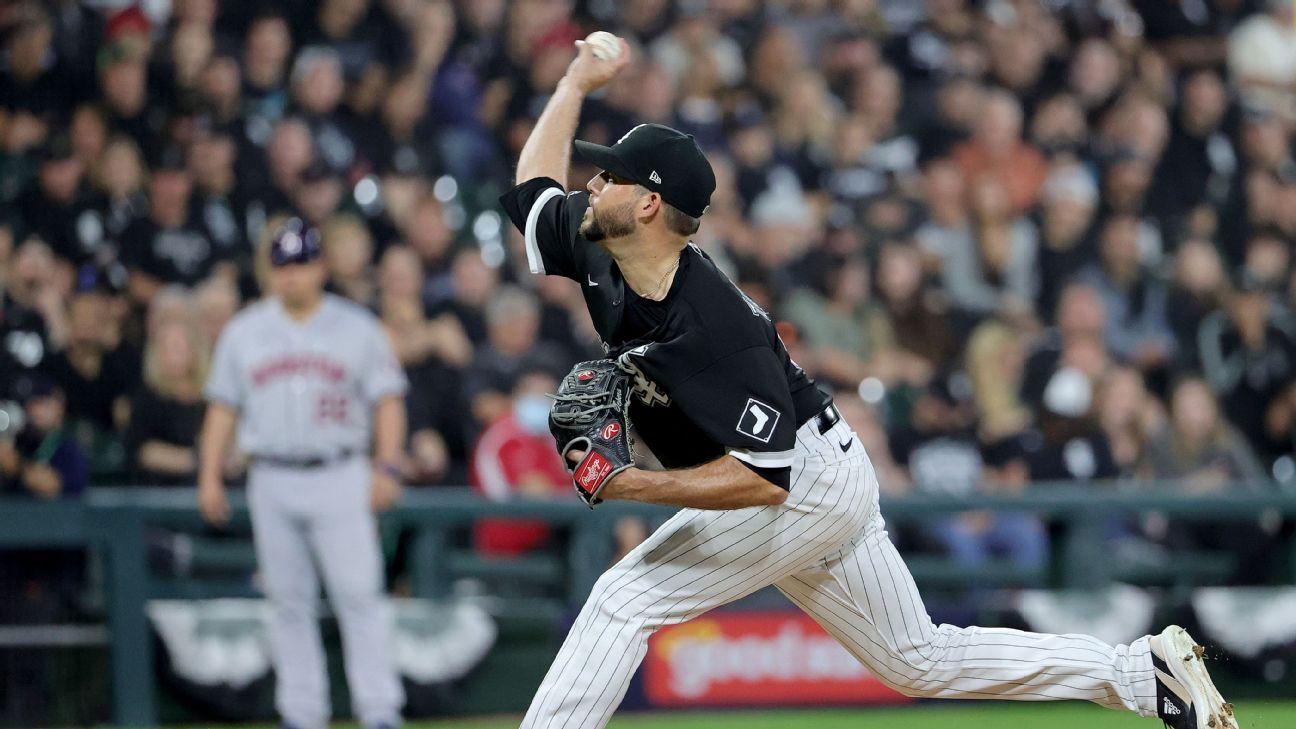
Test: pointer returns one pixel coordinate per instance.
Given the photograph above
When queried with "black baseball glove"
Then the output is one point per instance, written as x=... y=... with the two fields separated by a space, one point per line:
x=589 y=414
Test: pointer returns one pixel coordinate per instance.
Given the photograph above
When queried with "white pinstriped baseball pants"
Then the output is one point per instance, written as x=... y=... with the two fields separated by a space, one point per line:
x=827 y=550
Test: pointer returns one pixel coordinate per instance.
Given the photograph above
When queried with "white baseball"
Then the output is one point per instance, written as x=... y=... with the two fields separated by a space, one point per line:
x=606 y=45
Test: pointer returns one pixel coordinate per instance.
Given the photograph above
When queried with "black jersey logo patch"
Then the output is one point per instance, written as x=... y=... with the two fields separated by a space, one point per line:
x=758 y=420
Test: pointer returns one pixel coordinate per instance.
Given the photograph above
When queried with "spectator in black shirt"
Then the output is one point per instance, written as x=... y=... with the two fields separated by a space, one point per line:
x=221 y=203
x=426 y=232
x=1249 y=357
x=1070 y=444
x=54 y=207
x=317 y=88
x=169 y=245
x=1197 y=288
x=289 y=150
x=88 y=129
x=472 y=285
x=123 y=83
x=1200 y=160
x=266 y=50
x=1068 y=203
x=34 y=318
x=167 y=408
x=432 y=351
x=404 y=145
x=30 y=77
x=96 y=379
x=120 y=182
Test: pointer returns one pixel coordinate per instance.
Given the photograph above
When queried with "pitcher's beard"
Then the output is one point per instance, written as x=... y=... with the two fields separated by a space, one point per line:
x=614 y=223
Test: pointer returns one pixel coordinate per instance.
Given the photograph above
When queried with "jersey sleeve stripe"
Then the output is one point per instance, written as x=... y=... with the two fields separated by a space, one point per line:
x=534 y=259
x=776 y=459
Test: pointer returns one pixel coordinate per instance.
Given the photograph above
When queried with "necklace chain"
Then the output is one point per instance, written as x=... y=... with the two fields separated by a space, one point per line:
x=662 y=282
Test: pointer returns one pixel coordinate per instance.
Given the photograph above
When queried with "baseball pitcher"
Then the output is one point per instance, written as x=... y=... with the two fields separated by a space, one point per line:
x=774 y=488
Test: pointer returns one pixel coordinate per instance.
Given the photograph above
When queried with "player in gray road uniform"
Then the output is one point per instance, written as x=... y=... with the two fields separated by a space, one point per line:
x=307 y=376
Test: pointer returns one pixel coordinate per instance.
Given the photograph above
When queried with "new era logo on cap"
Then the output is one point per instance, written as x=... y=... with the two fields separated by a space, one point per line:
x=655 y=177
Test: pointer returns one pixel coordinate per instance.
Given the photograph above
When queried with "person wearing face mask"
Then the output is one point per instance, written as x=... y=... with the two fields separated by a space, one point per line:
x=515 y=459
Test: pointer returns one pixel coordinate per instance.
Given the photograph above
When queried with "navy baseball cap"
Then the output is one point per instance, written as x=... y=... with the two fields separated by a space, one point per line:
x=664 y=160
x=294 y=242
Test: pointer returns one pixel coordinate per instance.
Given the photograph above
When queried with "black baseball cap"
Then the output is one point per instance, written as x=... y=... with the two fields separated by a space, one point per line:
x=663 y=160
x=294 y=242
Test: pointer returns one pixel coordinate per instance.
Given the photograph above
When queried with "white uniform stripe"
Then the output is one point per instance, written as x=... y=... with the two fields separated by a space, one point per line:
x=778 y=459
x=534 y=260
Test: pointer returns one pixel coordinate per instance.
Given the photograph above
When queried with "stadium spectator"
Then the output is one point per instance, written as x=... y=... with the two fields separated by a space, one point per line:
x=998 y=151
x=995 y=359
x=52 y=209
x=1070 y=444
x=939 y=449
x=320 y=192
x=849 y=334
x=977 y=158
x=168 y=244
x=1068 y=204
x=119 y=179
x=1197 y=448
x=511 y=348
x=43 y=460
x=515 y=458
x=1076 y=341
x=215 y=302
x=1138 y=327
x=924 y=337
x=992 y=270
x=224 y=206
x=1197 y=452
x=1128 y=415
x=96 y=378
x=433 y=352
x=348 y=255
x=32 y=305
x=266 y=49
x=1200 y=159
x=1249 y=358
x=973 y=538
x=167 y=407
x=427 y=233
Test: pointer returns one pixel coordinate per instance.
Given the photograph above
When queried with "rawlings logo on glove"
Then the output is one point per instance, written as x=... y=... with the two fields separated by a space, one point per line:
x=589 y=414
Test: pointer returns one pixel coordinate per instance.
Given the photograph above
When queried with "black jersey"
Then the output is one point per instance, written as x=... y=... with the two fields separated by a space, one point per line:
x=711 y=374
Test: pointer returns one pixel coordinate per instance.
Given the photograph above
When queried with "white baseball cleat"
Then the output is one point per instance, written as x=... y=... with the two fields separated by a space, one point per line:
x=1186 y=696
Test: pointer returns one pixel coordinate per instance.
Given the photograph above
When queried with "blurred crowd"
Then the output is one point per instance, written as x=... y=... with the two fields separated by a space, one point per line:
x=1021 y=241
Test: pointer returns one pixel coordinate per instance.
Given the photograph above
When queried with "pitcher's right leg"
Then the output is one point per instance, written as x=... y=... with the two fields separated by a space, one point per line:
x=866 y=599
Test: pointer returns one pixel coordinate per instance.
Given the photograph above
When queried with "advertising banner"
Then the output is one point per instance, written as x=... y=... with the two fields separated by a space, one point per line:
x=756 y=659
